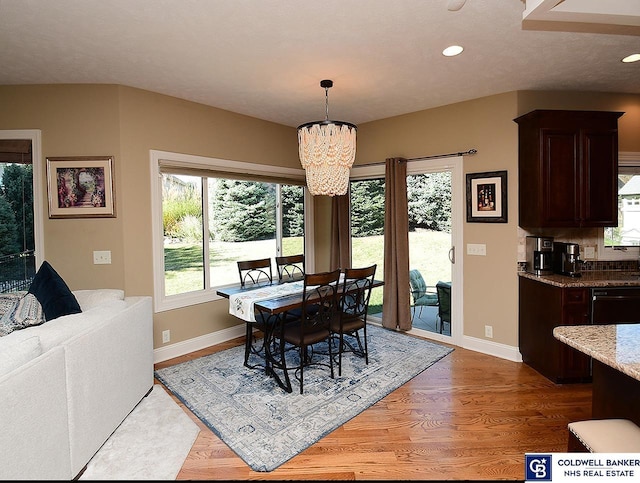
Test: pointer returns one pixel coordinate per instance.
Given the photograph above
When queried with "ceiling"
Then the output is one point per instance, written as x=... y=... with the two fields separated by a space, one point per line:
x=266 y=58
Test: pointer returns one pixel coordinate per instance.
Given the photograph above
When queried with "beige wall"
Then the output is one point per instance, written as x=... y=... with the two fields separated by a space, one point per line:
x=127 y=123
x=489 y=283
x=75 y=121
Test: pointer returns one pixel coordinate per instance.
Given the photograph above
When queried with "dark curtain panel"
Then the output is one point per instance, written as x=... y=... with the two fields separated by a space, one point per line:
x=340 y=233
x=396 y=304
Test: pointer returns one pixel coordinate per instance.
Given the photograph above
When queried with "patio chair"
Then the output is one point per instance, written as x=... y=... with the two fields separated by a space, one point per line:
x=444 y=303
x=422 y=296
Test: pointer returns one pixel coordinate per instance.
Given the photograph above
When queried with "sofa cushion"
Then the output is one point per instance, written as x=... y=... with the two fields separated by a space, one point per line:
x=89 y=299
x=53 y=293
x=26 y=311
x=59 y=331
x=18 y=351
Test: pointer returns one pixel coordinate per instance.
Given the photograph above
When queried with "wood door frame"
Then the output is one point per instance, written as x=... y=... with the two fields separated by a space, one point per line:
x=35 y=136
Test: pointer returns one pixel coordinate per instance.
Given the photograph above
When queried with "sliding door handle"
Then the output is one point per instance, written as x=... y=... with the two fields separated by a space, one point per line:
x=452 y=255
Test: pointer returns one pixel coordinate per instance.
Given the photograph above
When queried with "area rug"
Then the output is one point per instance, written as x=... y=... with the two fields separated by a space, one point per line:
x=266 y=426
x=150 y=444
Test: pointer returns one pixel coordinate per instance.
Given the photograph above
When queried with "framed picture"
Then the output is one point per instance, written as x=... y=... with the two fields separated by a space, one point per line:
x=81 y=187
x=487 y=197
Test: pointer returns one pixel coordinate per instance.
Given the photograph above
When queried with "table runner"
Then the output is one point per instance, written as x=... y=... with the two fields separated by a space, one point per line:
x=242 y=304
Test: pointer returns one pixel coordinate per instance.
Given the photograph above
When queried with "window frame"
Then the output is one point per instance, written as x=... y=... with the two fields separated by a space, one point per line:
x=249 y=171
x=625 y=159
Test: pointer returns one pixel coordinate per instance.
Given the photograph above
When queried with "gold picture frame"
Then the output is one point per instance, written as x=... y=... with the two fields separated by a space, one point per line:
x=81 y=187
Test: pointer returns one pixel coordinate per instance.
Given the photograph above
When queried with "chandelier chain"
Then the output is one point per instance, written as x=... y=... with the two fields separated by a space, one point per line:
x=326 y=103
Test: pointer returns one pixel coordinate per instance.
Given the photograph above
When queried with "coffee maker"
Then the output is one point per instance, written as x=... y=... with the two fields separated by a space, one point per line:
x=539 y=255
x=566 y=259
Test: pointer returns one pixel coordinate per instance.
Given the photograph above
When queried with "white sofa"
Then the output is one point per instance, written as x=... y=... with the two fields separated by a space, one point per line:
x=66 y=385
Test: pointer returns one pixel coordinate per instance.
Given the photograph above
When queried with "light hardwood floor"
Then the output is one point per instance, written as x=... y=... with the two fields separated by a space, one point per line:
x=468 y=417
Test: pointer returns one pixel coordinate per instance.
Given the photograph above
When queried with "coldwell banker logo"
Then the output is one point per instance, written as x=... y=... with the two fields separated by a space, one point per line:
x=538 y=467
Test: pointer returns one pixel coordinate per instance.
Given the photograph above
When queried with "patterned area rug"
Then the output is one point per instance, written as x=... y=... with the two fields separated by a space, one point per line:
x=265 y=425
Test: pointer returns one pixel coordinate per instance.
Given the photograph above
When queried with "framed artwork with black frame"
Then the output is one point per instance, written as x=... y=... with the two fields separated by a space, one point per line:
x=487 y=197
x=80 y=187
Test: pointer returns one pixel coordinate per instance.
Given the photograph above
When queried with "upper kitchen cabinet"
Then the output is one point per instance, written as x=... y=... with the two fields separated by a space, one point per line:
x=568 y=168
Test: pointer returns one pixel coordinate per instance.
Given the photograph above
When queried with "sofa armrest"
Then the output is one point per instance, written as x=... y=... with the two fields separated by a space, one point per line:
x=109 y=370
x=34 y=436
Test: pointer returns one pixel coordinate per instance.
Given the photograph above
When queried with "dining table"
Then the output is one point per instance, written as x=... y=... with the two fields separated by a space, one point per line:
x=271 y=302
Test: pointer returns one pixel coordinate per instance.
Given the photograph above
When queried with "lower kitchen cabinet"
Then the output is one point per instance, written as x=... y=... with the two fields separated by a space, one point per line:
x=542 y=307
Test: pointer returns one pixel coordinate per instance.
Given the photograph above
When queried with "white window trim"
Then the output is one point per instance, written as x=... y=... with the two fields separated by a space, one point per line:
x=163 y=302
x=627 y=158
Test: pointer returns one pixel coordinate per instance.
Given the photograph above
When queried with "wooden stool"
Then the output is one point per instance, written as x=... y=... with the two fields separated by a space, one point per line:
x=604 y=436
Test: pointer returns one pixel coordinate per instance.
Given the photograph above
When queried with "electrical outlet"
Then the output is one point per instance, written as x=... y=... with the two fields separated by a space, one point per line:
x=102 y=257
x=488 y=331
x=166 y=336
x=589 y=252
x=476 y=249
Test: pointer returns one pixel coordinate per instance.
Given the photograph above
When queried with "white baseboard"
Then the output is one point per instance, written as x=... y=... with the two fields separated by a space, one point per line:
x=178 y=349
x=185 y=347
x=495 y=349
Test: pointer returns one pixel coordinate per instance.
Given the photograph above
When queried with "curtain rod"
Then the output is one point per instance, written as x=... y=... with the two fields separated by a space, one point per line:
x=435 y=156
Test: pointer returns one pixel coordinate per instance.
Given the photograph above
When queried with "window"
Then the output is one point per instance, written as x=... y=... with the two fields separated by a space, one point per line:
x=625 y=238
x=212 y=214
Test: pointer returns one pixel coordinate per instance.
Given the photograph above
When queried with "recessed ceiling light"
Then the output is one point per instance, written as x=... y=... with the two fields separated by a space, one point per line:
x=452 y=50
x=631 y=58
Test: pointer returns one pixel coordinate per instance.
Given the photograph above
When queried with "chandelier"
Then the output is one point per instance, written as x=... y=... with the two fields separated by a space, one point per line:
x=327 y=151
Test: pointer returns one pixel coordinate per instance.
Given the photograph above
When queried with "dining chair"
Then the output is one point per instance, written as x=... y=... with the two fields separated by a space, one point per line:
x=352 y=315
x=444 y=303
x=319 y=308
x=422 y=296
x=290 y=267
x=254 y=272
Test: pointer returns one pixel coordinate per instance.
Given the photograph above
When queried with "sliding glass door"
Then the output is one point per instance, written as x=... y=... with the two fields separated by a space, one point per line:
x=434 y=189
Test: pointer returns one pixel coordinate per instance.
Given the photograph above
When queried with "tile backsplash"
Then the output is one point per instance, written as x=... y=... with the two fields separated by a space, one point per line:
x=585 y=237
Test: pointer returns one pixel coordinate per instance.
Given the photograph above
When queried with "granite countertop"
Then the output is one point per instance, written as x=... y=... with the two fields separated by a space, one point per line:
x=594 y=278
x=614 y=345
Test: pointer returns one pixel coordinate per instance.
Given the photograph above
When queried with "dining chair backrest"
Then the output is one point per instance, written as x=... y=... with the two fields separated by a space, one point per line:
x=320 y=300
x=255 y=271
x=356 y=291
x=290 y=267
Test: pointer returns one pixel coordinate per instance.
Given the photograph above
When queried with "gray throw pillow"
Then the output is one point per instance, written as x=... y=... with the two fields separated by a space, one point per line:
x=25 y=312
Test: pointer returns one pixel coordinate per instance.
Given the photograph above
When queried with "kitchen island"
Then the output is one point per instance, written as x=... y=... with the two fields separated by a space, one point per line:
x=615 y=352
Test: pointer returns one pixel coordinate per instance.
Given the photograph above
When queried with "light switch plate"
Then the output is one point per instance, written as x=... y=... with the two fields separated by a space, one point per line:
x=476 y=249
x=102 y=257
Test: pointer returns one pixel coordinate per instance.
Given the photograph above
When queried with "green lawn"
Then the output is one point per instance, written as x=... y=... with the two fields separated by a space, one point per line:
x=183 y=262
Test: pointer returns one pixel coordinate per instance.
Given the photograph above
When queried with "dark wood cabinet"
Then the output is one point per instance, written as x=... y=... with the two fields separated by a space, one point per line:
x=568 y=168
x=542 y=307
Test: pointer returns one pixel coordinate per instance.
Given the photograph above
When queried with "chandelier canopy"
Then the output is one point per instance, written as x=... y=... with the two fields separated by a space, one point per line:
x=327 y=152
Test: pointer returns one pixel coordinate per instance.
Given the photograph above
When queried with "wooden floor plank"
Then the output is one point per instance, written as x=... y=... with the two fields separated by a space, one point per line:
x=468 y=417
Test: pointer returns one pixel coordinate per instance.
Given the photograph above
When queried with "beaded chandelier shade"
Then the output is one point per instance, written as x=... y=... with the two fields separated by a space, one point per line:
x=327 y=152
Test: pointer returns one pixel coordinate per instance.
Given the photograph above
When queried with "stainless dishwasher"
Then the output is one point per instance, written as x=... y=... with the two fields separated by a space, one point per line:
x=615 y=305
